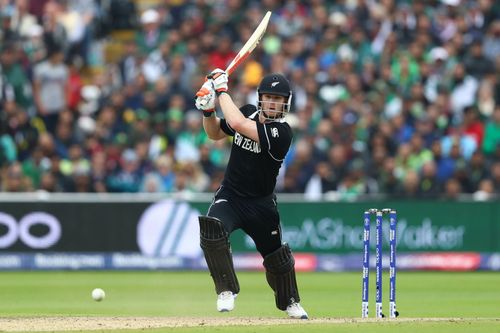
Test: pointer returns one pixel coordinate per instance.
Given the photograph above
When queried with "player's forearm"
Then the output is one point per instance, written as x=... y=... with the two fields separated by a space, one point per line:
x=231 y=112
x=212 y=127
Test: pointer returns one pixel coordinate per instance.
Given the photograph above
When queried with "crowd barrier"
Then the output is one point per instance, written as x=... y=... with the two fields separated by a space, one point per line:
x=141 y=231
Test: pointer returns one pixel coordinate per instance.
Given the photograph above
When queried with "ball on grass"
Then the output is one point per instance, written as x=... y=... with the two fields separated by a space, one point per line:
x=98 y=294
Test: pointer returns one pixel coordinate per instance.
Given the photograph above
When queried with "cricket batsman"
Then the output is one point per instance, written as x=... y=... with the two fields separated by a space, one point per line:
x=246 y=199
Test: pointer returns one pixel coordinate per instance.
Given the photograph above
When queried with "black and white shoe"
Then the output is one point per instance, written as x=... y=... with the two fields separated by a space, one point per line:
x=295 y=310
x=225 y=301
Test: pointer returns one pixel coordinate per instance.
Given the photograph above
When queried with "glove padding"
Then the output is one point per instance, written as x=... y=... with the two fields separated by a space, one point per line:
x=205 y=97
x=219 y=80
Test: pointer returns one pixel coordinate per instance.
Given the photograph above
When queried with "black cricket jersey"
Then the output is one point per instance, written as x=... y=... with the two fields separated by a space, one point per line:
x=253 y=167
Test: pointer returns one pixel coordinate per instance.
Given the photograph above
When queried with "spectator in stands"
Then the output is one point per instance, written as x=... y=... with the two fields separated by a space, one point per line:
x=89 y=16
x=223 y=54
x=24 y=133
x=492 y=132
x=34 y=45
x=322 y=181
x=486 y=190
x=476 y=63
x=22 y=21
x=15 y=180
x=463 y=90
x=55 y=34
x=99 y=171
x=151 y=36
x=49 y=87
x=491 y=43
x=495 y=176
x=466 y=144
x=429 y=186
x=8 y=153
x=14 y=81
x=477 y=169
x=452 y=189
x=128 y=177
x=7 y=31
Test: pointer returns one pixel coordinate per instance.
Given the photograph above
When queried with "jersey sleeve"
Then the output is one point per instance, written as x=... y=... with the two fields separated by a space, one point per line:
x=246 y=110
x=275 y=138
x=226 y=128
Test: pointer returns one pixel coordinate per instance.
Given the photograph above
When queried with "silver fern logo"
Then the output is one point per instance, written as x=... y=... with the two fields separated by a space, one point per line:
x=169 y=228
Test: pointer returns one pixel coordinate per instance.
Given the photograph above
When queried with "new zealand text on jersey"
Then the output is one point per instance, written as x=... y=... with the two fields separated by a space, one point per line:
x=246 y=143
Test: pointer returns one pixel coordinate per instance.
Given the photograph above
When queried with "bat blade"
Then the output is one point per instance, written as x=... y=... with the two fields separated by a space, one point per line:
x=250 y=45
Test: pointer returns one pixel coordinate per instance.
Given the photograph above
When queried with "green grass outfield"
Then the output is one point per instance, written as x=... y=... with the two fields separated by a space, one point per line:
x=427 y=302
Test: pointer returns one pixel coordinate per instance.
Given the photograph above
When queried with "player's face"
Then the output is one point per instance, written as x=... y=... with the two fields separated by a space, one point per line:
x=273 y=106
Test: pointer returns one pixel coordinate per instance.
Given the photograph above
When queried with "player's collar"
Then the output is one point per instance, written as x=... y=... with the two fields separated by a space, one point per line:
x=253 y=115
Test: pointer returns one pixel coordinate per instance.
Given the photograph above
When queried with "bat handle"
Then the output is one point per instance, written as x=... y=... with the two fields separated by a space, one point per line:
x=228 y=72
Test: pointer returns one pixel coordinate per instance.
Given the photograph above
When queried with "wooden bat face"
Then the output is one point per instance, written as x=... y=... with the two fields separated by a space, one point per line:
x=250 y=45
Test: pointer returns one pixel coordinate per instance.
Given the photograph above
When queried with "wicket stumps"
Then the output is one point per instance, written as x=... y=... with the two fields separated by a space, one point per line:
x=378 y=262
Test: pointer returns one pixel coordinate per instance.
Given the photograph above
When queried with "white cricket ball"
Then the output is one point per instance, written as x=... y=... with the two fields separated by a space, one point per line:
x=98 y=294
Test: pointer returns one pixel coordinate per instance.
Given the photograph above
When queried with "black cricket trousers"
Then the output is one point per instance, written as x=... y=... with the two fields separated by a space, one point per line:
x=257 y=217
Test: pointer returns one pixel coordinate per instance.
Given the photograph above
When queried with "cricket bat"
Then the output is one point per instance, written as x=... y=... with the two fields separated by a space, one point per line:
x=250 y=45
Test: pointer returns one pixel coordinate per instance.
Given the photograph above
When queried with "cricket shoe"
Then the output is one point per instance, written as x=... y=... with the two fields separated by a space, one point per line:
x=296 y=311
x=225 y=301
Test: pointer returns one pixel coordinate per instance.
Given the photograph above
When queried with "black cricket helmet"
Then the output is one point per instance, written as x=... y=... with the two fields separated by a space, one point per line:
x=274 y=84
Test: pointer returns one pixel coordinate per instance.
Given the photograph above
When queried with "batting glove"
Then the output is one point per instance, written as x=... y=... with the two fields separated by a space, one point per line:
x=219 y=80
x=205 y=99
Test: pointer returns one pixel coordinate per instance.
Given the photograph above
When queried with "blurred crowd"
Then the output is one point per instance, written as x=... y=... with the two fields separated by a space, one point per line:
x=390 y=97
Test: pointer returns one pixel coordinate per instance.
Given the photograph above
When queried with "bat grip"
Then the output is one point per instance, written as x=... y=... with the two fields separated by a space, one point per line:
x=211 y=76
